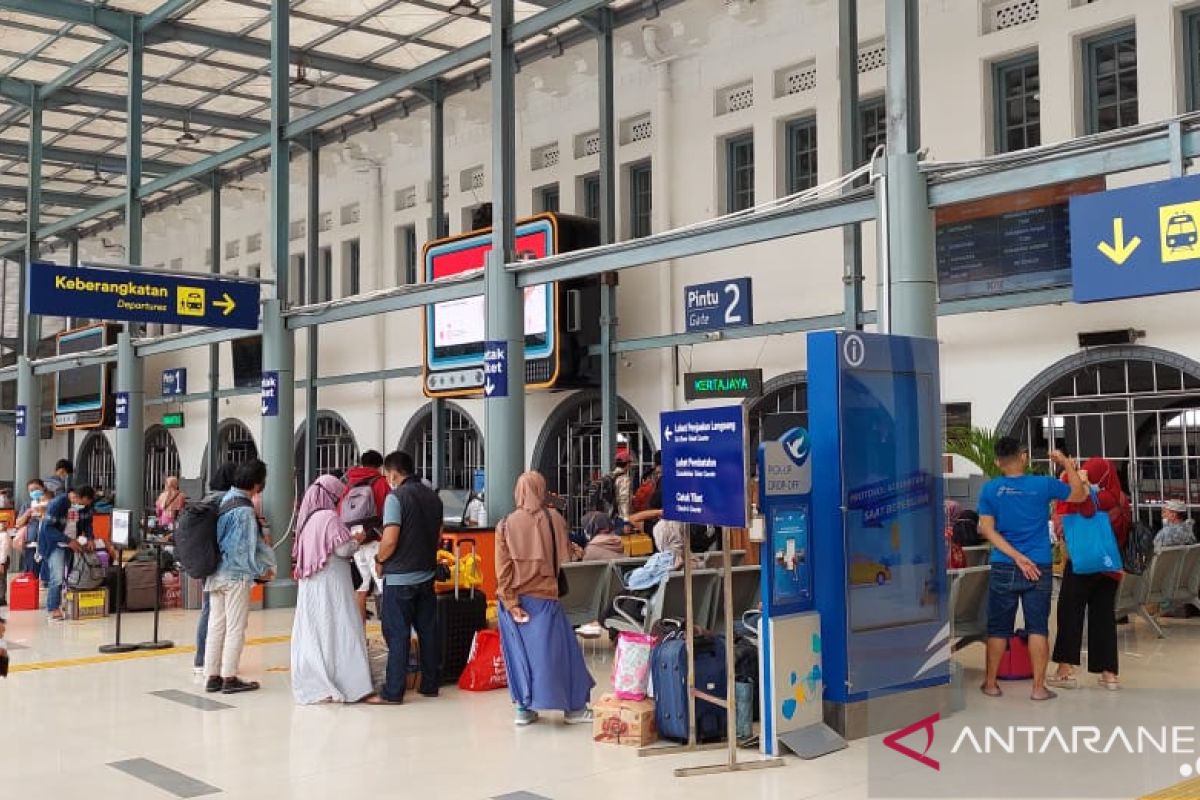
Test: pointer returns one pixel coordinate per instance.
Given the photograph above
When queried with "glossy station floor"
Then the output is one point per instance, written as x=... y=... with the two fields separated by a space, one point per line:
x=77 y=724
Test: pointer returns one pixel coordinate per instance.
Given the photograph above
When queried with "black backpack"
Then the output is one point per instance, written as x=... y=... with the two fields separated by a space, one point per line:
x=602 y=494
x=1139 y=549
x=195 y=536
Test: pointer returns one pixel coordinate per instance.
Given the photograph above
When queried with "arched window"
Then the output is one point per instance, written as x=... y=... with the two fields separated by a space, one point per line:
x=463 y=452
x=1139 y=407
x=337 y=449
x=95 y=465
x=784 y=405
x=235 y=443
x=162 y=460
x=568 y=449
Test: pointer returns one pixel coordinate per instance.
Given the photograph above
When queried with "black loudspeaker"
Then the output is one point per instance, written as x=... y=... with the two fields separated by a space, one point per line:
x=1110 y=338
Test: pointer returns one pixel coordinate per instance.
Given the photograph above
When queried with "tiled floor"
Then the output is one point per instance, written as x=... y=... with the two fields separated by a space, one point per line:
x=66 y=722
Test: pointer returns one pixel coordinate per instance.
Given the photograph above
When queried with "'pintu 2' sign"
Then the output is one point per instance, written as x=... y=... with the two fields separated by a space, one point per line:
x=719 y=305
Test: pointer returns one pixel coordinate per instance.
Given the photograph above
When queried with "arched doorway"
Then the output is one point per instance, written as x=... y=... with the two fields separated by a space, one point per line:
x=462 y=455
x=783 y=405
x=162 y=459
x=568 y=449
x=235 y=444
x=1139 y=407
x=95 y=465
x=337 y=449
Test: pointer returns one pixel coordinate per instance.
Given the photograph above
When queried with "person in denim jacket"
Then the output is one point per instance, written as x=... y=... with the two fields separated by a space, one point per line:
x=245 y=559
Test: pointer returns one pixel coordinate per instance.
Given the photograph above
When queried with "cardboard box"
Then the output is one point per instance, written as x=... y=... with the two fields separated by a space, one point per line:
x=627 y=722
x=91 y=604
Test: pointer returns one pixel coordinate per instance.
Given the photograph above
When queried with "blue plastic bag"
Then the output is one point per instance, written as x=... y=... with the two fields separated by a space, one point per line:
x=1091 y=543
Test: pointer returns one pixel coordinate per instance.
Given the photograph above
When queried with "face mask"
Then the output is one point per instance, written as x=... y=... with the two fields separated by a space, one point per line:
x=36 y=494
x=76 y=506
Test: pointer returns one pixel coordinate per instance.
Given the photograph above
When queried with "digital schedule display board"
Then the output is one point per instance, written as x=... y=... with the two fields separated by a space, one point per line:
x=875 y=413
x=559 y=319
x=82 y=395
x=1008 y=243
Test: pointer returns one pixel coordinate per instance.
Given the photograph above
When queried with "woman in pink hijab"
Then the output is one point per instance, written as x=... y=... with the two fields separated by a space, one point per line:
x=329 y=646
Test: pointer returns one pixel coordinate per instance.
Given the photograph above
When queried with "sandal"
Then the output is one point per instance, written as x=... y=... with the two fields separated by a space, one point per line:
x=1068 y=682
x=379 y=700
x=1112 y=686
x=993 y=692
x=1049 y=695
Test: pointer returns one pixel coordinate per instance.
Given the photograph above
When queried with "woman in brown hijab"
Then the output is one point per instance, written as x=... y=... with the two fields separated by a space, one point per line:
x=546 y=670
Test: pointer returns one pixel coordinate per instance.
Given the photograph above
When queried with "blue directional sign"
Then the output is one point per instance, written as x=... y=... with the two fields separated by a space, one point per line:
x=495 y=369
x=719 y=305
x=121 y=400
x=22 y=416
x=125 y=293
x=1143 y=240
x=270 y=394
x=174 y=382
x=704 y=466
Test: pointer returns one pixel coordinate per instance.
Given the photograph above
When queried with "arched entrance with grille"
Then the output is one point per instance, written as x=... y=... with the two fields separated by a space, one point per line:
x=463 y=451
x=337 y=449
x=1137 y=406
x=162 y=459
x=95 y=465
x=783 y=405
x=568 y=448
x=235 y=443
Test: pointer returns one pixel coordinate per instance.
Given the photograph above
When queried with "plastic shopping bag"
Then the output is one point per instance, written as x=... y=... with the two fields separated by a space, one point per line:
x=631 y=667
x=485 y=666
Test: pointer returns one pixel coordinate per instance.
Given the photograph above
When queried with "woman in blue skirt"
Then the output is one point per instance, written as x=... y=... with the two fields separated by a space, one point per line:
x=546 y=670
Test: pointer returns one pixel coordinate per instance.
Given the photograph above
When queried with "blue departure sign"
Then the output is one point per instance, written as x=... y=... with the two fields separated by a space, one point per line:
x=495 y=369
x=704 y=466
x=174 y=382
x=270 y=394
x=121 y=400
x=719 y=305
x=21 y=421
x=1134 y=242
x=125 y=293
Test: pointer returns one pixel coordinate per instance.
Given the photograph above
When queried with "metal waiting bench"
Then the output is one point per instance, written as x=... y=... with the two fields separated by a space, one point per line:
x=1170 y=573
x=667 y=602
x=977 y=555
x=747 y=592
x=1187 y=587
x=587 y=586
x=968 y=605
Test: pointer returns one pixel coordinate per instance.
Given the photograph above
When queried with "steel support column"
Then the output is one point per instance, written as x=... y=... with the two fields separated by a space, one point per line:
x=133 y=149
x=278 y=345
x=908 y=297
x=504 y=455
x=850 y=157
x=214 y=350
x=131 y=446
x=312 y=257
x=28 y=447
x=437 y=209
x=608 y=235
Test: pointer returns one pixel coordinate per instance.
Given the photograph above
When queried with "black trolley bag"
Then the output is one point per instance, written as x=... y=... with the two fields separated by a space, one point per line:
x=459 y=617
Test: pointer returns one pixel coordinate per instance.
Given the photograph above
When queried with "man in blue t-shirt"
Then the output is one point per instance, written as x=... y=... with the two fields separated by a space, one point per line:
x=1014 y=515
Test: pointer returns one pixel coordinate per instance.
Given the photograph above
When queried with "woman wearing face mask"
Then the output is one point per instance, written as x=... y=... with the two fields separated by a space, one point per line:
x=29 y=519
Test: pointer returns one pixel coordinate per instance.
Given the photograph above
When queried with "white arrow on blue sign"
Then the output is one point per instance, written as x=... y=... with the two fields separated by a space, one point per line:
x=495 y=369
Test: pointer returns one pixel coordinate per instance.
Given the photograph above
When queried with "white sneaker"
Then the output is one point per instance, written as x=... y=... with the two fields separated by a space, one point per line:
x=583 y=717
x=525 y=717
x=198 y=671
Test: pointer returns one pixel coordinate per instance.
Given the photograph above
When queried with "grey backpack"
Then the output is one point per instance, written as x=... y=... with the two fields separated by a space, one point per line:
x=359 y=507
x=86 y=572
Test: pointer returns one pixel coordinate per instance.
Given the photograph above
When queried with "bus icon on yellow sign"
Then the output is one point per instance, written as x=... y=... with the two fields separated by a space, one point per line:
x=1179 y=232
x=190 y=301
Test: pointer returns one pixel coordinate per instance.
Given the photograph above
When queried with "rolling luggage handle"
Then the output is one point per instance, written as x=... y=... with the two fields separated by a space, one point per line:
x=458 y=543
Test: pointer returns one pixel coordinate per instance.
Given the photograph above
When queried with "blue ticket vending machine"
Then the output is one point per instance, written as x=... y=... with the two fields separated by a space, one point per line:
x=791 y=681
x=877 y=521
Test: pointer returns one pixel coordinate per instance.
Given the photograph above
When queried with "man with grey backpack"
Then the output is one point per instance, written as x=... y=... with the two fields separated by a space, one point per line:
x=361 y=506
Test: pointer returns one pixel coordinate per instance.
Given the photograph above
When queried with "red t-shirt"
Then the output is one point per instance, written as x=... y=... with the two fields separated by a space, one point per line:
x=379 y=485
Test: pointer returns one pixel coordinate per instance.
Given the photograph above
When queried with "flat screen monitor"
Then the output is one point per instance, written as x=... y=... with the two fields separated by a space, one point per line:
x=247 y=361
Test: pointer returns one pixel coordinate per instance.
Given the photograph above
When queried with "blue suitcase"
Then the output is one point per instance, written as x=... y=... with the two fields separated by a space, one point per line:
x=668 y=667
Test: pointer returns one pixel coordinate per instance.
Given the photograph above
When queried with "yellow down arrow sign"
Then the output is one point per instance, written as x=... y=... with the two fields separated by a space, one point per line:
x=1120 y=250
x=226 y=304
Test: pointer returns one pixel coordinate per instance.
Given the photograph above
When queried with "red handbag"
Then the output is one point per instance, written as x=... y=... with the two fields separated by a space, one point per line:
x=485 y=666
x=1015 y=664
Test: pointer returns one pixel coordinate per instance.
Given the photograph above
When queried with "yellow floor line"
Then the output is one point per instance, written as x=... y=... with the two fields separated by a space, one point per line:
x=135 y=655
x=1188 y=790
